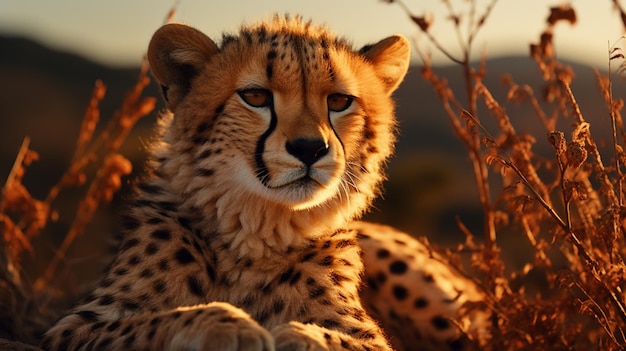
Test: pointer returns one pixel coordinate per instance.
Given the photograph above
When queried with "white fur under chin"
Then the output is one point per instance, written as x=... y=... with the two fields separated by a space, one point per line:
x=259 y=228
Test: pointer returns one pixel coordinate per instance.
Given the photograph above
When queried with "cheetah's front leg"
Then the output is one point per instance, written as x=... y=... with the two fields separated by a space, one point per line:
x=214 y=326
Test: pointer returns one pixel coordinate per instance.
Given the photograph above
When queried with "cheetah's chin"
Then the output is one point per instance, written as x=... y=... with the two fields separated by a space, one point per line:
x=303 y=193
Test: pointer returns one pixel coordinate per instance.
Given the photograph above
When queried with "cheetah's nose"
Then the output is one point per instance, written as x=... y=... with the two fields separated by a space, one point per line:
x=308 y=151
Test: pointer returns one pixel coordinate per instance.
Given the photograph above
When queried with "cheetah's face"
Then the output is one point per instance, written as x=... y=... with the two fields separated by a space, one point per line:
x=298 y=156
x=295 y=107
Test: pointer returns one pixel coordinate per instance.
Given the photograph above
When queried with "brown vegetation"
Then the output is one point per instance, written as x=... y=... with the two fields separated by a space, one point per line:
x=570 y=207
x=30 y=308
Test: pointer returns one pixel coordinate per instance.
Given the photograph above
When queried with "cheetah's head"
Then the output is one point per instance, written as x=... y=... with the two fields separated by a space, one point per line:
x=284 y=110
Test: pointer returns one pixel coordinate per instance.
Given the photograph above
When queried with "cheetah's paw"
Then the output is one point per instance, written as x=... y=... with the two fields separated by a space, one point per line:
x=300 y=337
x=221 y=326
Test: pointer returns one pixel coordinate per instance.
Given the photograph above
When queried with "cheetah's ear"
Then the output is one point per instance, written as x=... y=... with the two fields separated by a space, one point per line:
x=177 y=53
x=390 y=57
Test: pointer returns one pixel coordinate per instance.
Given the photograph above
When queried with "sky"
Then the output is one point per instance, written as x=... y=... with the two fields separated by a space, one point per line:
x=116 y=32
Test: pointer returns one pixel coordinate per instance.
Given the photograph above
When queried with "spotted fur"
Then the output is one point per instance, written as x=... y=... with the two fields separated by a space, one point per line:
x=241 y=234
x=237 y=238
x=413 y=293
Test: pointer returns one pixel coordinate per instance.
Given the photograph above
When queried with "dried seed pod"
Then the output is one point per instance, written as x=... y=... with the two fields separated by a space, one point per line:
x=576 y=154
x=557 y=140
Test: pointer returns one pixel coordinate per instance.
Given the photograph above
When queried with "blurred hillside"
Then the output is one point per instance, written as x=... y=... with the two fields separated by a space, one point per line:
x=44 y=93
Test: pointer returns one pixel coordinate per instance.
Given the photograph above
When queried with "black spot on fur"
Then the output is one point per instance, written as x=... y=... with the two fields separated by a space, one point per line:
x=204 y=154
x=371 y=283
x=267 y=289
x=344 y=243
x=129 y=244
x=195 y=286
x=166 y=206
x=183 y=256
x=203 y=172
x=308 y=256
x=130 y=305
x=354 y=331
x=113 y=326
x=210 y=272
x=457 y=345
x=97 y=326
x=106 y=300
x=146 y=273
x=296 y=277
x=381 y=277
x=420 y=302
x=440 y=322
x=150 y=189
x=161 y=234
x=278 y=306
x=337 y=278
x=155 y=220
x=383 y=253
x=126 y=330
x=159 y=286
x=184 y=222
x=330 y=323
x=163 y=265
x=247 y=301
x=88 y=316
x=400 y=292
x=317 y=292
x=428 y=278
x=398 y=267
x=154 y=321
x=285 y=276
x=326 y=261
x=151 y=249
x=121 y=271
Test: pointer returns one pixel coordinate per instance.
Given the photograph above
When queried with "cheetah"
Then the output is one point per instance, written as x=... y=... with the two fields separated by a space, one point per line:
x=240 y=235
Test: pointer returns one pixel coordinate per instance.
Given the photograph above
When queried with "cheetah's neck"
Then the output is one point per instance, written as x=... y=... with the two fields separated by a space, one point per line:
x=248 y=225
x=258 y=229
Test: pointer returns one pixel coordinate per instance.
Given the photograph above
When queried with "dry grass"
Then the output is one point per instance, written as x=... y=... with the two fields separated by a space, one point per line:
x=570 y=207
x=97 y=167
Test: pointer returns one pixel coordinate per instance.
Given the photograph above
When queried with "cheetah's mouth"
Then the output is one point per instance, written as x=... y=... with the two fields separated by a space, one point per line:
x=305 y=181
x=303 y=188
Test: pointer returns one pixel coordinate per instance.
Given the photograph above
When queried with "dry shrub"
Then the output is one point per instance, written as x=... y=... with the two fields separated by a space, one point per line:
x=570 y=207
x=97 y=166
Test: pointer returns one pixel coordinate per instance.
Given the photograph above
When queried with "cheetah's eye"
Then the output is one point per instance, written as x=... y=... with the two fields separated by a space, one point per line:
x=339 y=102
x=256 y=97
